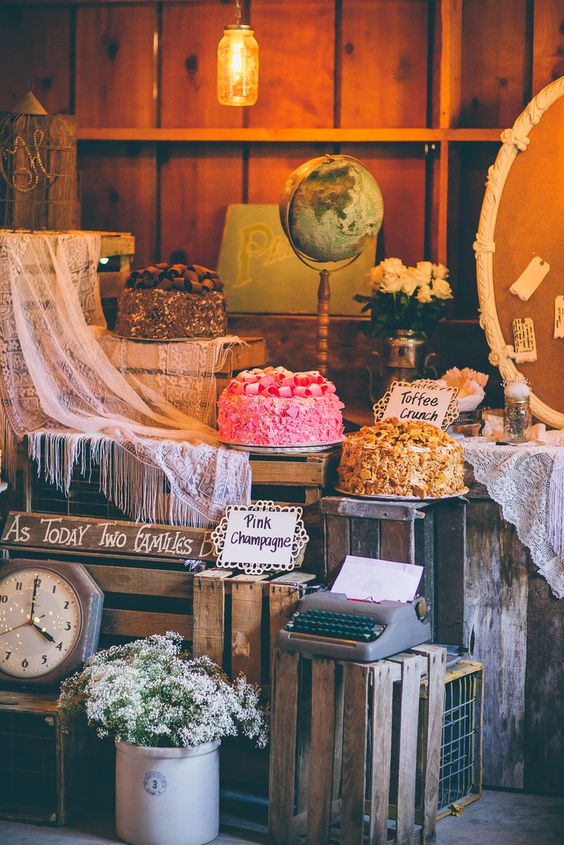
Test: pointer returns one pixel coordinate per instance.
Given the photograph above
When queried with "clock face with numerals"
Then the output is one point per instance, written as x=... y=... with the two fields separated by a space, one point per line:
x=40 y=620
x=49 y=619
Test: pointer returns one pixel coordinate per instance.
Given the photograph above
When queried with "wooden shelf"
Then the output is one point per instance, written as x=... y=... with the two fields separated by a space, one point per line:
x=298 y=135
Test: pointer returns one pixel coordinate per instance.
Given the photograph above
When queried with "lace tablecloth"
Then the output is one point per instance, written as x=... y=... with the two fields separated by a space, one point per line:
x=182 y=372
x=527 y=482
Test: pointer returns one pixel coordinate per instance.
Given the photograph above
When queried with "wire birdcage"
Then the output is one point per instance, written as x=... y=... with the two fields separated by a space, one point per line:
x=38 y=173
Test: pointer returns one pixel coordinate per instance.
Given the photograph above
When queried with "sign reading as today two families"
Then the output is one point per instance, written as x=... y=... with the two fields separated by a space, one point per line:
x=88 y=534
x=424 y=400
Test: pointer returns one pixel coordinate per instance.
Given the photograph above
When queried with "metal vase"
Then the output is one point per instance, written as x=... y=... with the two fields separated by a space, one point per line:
x=403 y=358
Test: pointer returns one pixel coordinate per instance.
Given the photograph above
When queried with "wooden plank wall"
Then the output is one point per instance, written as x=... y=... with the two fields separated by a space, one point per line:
x=358 y=64
x=515 y=626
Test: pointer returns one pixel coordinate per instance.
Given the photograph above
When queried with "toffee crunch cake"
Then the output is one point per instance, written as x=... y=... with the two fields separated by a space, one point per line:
x=163 y=301
x=393 y=458
x=275 y=407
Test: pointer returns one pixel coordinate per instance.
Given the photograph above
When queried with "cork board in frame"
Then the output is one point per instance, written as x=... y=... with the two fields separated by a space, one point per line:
x=523 y=216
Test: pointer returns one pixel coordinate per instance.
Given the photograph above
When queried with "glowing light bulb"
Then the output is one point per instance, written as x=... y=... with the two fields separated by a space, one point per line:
x=237 y=66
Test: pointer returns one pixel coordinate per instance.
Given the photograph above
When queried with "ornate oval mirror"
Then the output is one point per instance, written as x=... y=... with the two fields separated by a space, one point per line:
x=520 y=254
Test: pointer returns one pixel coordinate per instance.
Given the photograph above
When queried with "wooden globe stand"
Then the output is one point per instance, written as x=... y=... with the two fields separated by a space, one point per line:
x=323 y=306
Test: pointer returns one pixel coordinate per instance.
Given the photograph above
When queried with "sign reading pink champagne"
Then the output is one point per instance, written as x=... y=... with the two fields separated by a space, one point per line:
x=280 y=382
x=423 y=400
x=263 y=537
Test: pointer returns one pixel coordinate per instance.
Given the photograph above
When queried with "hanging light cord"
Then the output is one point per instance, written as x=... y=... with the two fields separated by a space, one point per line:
x=238 y=13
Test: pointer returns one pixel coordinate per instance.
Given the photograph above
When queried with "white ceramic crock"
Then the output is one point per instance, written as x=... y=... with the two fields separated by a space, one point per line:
x=167 y=796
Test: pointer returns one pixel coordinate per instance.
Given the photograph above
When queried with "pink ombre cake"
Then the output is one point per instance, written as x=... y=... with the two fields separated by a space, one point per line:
x=275 y=407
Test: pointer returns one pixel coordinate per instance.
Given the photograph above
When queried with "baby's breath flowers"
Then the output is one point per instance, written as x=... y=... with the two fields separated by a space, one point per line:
x=150 y=692
x=412 y=298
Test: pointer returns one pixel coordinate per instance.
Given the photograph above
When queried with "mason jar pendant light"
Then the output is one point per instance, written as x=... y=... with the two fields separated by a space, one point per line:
x=237 y=64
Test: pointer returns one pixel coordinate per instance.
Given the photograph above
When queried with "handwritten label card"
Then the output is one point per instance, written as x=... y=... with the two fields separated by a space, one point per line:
x=260 y=538
x=559 y=317
x=524 y=341
x=422 y=400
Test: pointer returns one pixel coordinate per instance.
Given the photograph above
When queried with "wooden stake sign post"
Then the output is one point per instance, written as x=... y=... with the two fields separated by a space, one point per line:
x=264 y=537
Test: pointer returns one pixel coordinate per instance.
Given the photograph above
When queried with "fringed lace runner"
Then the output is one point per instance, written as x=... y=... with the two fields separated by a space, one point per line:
x=58 y=387
x=527 y=482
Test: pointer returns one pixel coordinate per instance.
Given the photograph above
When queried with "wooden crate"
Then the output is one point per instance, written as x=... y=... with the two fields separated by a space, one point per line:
x=431 y=534
x=237 y=617
x=348 y=737
x=44 y=759
x=300 y=479
x=116 y=262
x=460 y=773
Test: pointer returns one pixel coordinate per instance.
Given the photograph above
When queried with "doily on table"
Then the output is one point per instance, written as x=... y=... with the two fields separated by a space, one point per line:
x=519 y=479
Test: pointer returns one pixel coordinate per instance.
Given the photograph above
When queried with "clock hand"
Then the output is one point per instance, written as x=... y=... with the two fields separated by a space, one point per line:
x=44 y=633
x=33 y=597
x=15 y=628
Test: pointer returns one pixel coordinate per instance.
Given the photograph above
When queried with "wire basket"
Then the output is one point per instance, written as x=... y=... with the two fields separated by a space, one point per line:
x=38 y=172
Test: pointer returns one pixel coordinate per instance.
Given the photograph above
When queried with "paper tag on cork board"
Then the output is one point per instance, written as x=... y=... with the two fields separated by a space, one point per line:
x=530 y=278
x=559 y=317
x=524 y=341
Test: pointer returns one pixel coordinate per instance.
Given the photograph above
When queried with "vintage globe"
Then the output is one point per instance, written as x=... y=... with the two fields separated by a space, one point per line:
x=331 y=208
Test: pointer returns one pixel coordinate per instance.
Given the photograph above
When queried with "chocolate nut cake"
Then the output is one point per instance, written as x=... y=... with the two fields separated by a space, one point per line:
x=163 y=301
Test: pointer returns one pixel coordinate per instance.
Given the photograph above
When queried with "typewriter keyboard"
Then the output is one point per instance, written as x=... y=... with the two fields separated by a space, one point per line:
x=340 y=626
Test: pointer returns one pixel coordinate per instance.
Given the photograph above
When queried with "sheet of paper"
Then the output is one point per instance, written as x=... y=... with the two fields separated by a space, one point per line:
x=372 y=579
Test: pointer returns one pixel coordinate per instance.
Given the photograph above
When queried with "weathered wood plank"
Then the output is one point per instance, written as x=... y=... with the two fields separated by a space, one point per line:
x=354 y=753
x=142 y=582
x=35 y=46
x=116 y=65
x=548 y=43
x=52 y=532
x=190 y=32
x=450 y=563
x=201 y=180
x=140 y=623
x=209 y=618
x=349 y=506
x=309 y=473
x=384 y=673
x=298 y=42
x=494 y=64
x=407 y=757
x=282 y=748
x=397 y=541
x=384 y=87
x=365 y=537
x=432 y=736
x=496 y=630
x=270 y=165
x=119 y=192
x=336 y=544
x=544 y=683
x=246 y=647
x=400 y=172
x=320 y=787
x=282 y=603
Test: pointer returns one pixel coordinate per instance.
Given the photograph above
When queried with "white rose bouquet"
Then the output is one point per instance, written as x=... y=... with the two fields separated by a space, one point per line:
x=412 y=298
x=150 y=692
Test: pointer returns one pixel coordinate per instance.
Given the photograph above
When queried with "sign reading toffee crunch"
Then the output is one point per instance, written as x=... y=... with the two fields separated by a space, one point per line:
x=88 y=534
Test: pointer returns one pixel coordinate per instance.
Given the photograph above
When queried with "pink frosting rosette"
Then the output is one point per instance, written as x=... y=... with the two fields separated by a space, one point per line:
x=280 y=382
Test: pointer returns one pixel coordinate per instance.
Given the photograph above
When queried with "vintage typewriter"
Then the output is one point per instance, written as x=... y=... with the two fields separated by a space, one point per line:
x=331 y=625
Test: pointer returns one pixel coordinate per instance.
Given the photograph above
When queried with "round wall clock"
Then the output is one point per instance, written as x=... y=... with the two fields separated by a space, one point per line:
x=50 y=616
x=520 y=254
